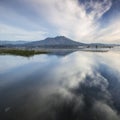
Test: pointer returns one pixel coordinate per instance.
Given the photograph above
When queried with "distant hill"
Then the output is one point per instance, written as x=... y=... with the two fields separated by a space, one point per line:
x=56 y=42
x=59 y=41
x=11 y=42
x=102 y=45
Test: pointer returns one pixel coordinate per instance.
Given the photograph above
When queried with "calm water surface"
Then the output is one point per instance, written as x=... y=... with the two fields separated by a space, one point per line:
x=77 y=86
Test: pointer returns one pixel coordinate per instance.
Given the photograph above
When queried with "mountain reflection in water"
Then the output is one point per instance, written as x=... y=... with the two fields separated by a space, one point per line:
x=77 y=86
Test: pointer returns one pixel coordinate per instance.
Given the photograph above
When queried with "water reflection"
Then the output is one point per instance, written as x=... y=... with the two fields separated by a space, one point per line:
x=81 y=85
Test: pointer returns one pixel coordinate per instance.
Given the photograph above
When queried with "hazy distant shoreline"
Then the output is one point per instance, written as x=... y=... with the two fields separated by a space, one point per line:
x=31 y=52
x=59 y=44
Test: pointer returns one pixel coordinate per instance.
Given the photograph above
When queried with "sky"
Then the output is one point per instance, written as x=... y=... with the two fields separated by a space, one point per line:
x=80 y=20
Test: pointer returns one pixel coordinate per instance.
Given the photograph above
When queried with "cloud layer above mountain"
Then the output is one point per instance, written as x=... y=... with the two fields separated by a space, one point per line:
x=81 y=20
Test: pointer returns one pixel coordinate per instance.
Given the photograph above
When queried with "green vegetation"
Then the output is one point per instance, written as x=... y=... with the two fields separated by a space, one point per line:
x=20 y=52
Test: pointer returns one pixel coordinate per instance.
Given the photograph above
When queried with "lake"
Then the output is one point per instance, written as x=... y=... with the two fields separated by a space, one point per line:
x=72 y=86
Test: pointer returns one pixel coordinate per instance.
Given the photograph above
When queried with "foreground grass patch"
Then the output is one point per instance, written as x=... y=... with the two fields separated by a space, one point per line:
x=21 y=52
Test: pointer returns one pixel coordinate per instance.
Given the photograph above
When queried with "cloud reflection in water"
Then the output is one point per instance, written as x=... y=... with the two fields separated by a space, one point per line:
x=81 y=85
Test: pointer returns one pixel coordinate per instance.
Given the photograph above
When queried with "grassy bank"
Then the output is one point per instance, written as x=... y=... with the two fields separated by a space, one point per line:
x=21 y=52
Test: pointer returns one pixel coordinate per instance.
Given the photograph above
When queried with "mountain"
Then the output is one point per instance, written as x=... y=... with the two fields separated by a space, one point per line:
x=59 y=41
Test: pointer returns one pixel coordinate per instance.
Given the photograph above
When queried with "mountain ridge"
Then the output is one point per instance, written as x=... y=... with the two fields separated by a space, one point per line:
x=55 y=42
x=58 y=41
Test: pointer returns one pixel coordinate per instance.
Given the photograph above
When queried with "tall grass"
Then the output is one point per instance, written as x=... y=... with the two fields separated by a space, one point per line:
x=21 y=52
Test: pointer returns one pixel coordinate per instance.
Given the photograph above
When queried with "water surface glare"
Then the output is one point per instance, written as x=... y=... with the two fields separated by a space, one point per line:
x=76 y=86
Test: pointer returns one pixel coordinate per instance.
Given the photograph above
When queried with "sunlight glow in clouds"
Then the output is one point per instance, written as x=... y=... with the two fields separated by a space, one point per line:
x=78 y=20
x=73 y=18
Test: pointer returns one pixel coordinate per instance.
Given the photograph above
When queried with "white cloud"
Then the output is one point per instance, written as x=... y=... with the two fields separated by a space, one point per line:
x=79 y=21
x=110 y=33
x=73 y=19
x=13 y=33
